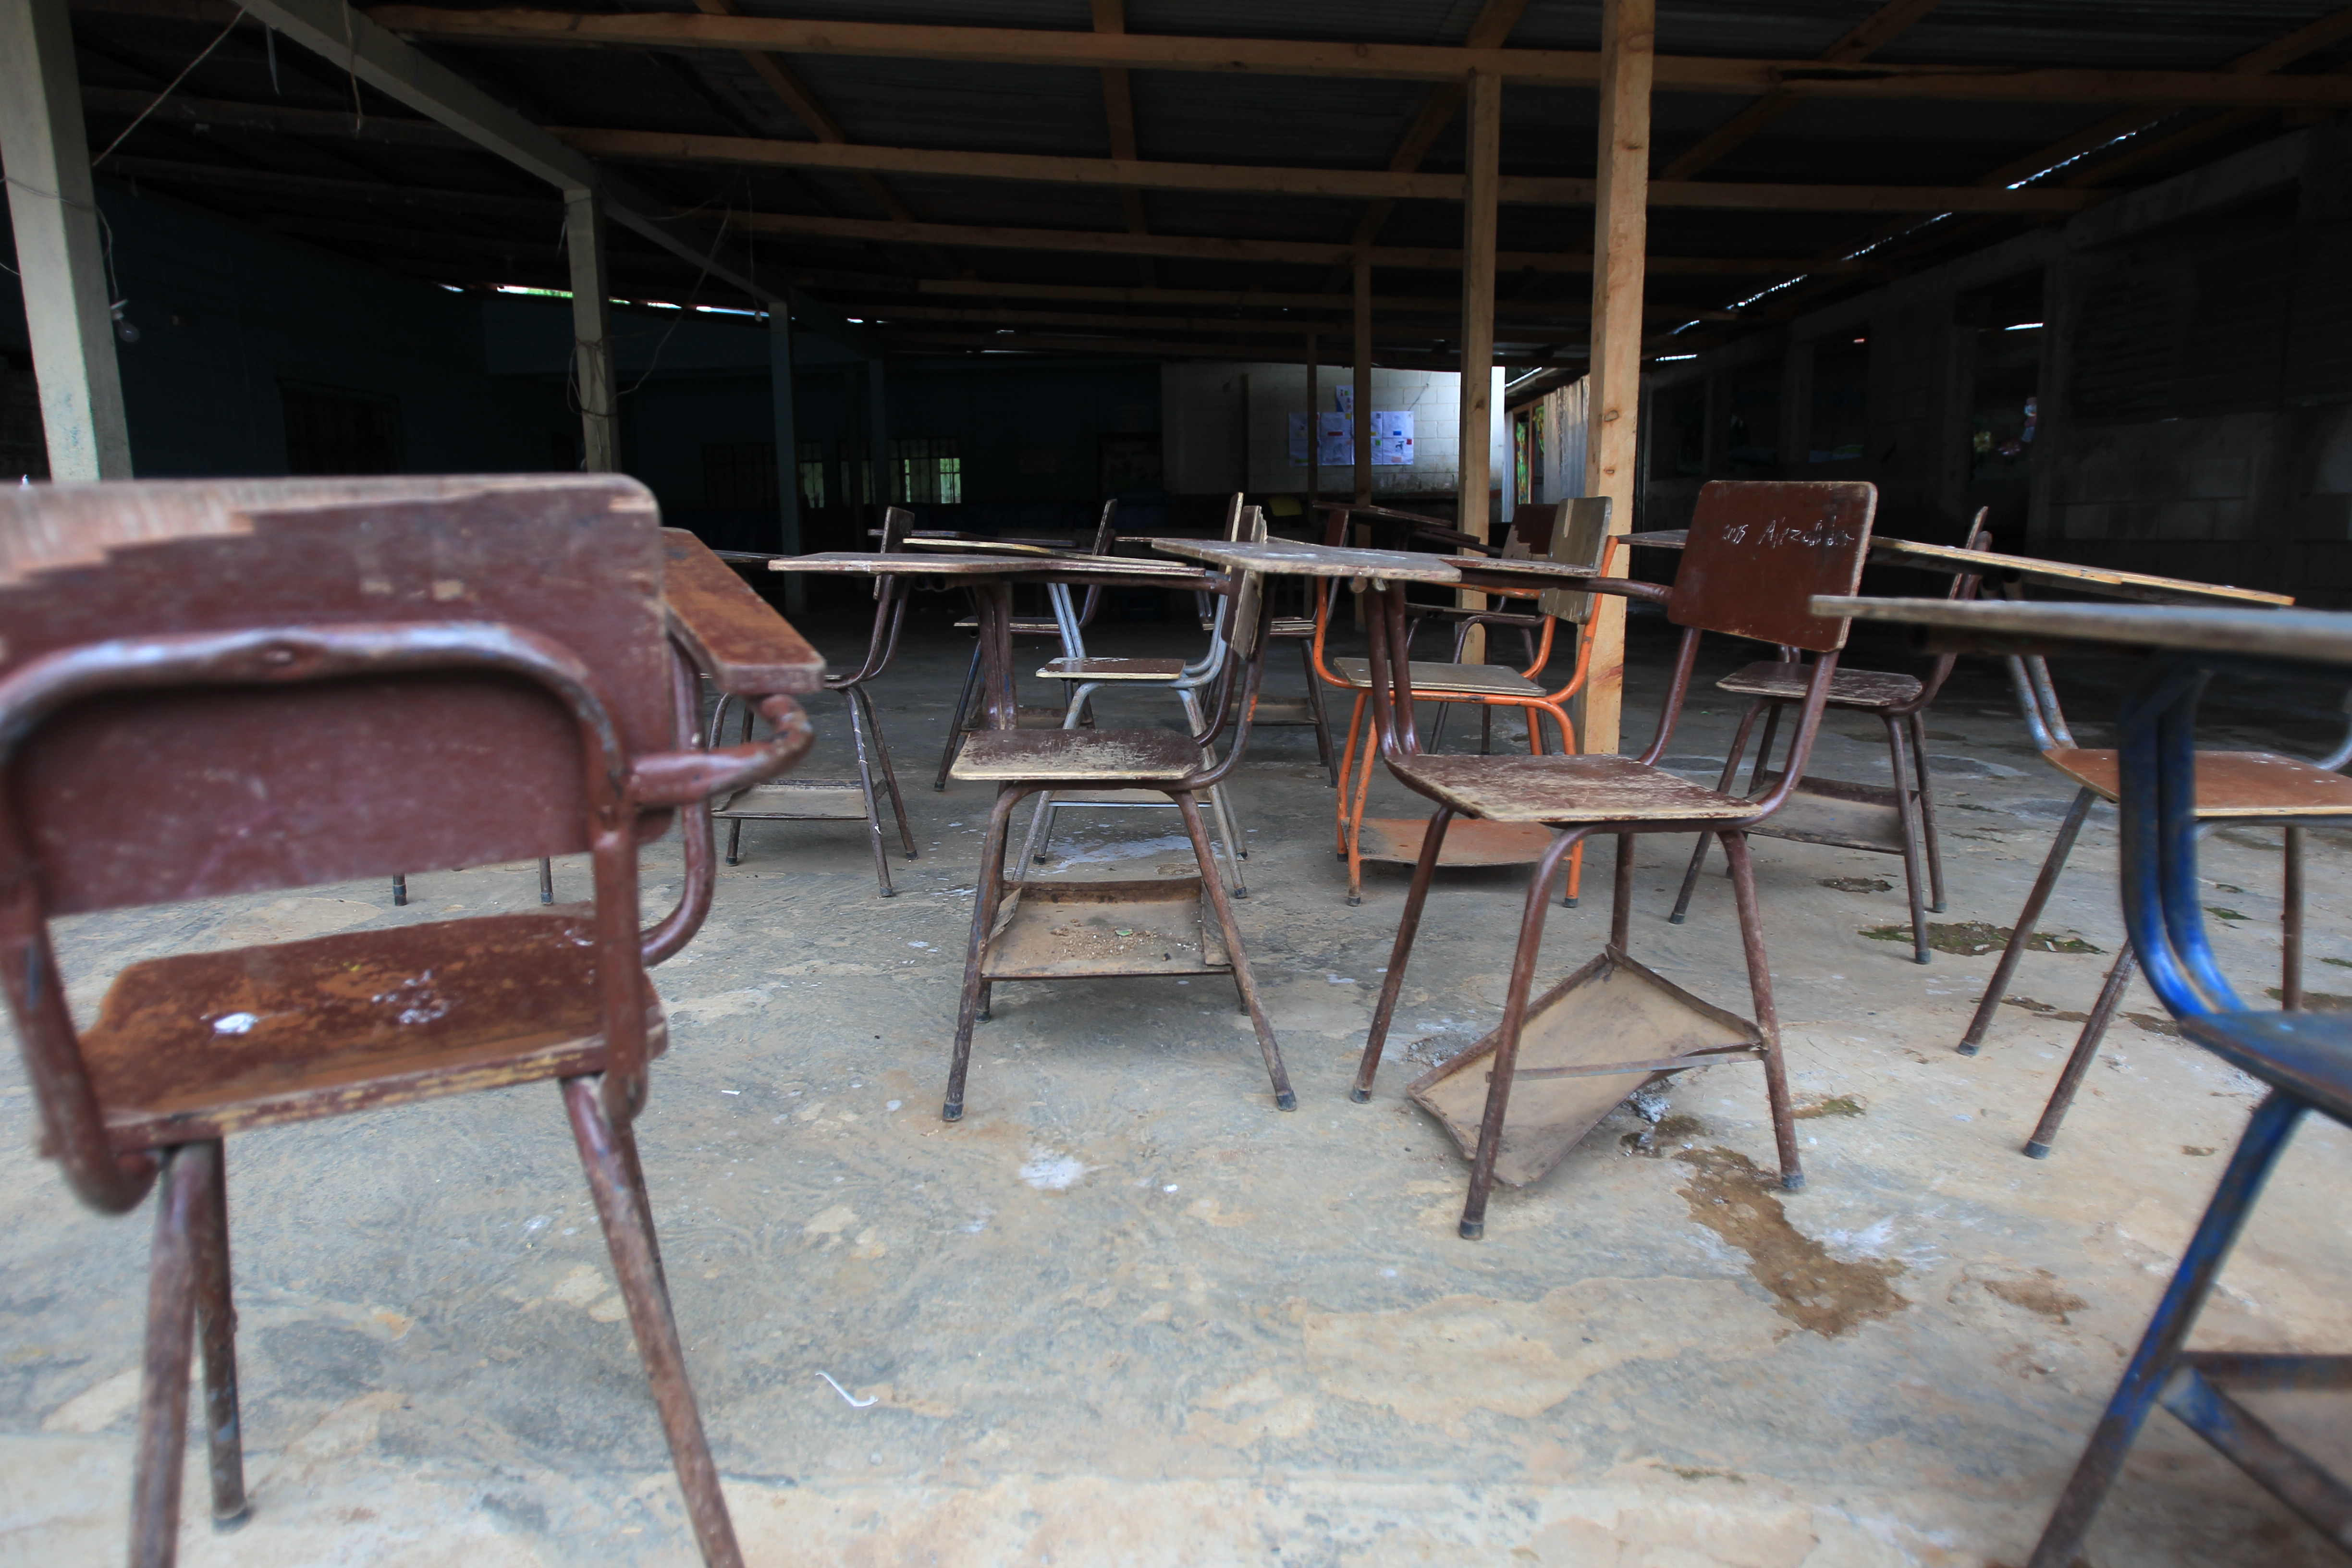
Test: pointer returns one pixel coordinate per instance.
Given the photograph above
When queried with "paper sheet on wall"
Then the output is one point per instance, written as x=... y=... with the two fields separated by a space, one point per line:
x=1335 y=435
x=1391 y=438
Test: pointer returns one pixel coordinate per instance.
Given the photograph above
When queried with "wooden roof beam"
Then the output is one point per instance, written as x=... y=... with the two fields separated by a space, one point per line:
x=1872 y=33
x=1201 y=247
x=664 y=146
x=1392 y=62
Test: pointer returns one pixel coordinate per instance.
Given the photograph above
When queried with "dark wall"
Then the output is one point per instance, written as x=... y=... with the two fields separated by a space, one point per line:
x=226 y=314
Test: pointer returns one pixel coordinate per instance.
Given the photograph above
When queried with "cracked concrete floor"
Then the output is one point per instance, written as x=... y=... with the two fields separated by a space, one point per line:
x=1127 y=1312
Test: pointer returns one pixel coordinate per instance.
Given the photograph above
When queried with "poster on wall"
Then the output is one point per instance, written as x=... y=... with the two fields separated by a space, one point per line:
x=1392 y=439
x=1335 y=439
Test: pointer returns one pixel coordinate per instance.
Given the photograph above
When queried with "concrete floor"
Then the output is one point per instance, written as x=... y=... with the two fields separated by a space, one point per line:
x=1128 y=1312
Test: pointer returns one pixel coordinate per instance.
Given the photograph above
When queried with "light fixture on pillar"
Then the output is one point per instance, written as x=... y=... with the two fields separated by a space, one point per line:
x=124 y=328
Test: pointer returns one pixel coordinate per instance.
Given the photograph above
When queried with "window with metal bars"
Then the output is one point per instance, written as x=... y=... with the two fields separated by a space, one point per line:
x=923 y=468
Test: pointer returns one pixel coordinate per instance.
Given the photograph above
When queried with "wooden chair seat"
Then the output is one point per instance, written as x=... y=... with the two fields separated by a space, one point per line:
x=199 y=1045
x=1870 y=691
x=1014 y=756
x=1555 y=790
x=1112 y=669
x=1438 y=679
x=2229 y=784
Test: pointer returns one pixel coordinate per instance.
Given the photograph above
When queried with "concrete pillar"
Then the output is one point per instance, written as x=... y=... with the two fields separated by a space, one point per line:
x=1613 y=410
x=788 y=452
x=53 y=208
x=592 y=331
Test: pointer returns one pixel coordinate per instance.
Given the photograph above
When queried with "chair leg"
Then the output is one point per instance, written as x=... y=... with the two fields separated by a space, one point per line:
x=1353 y=836
x=955 y=720
x=2159 y=1350
x=1504 y=1061
x=1245 y=982
x=173 y=1281
x=1931 y=839
x=216 y=1338
x=1621 y=895
x=1723 y=787
x=2035 y=901
x=990 y=893
x=1907 y=818
x=1768 y=1018
x=1764 y=747
x=1226 y=828
x=626 y=1210
x=1486 y=728
x=546 y=881
x=1437 y=728
x=890 y=773
x=2291 y=926
x=2086 y=1046
x=1433 y=845
x=857 y=742
x=1316 y=714
x=735 y=826
x=1347 y=775
x=400 y=892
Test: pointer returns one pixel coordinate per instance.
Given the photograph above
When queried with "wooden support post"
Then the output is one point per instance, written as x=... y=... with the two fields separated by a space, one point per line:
x=1475 y=429
x=592 y=331
x=788 y=453
x=878 y=437
x=1314 y=431
x=1363 y=386
x=53 y=209
x=1614 y=398
x=1794 y=436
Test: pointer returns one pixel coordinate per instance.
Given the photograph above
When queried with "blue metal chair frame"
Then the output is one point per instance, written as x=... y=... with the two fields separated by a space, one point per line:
x=2305 y=1058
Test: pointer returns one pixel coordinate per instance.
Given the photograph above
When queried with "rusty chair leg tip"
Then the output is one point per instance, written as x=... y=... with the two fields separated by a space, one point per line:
x=734 y=859
x=1792 y=1180
x=1354 y=900
x=1472 y=1229
x=1569 y=902
x=230 y=1523
x=1938 y=908
x=1675 y=920
x=1360 y=1096
x=1287 y=1100
x=1967 y=1047
x=889 y=893
x=2037 y=1150
x=1923 y=958
x=951 y=1112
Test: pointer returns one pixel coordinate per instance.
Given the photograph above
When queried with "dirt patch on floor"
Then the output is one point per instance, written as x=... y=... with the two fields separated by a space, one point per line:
x=2156 y=1025
x=2038 y=1291
x=1969 y=938
x=1734 y=1199
x=1838 y=1105
x=2315 y=1001
x=2058 y=1014
x=1657 y=1137
x=1858 y=884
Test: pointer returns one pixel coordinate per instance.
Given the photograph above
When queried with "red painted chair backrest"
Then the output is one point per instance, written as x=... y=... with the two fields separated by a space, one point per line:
x=151 y=796
x=1759 y=550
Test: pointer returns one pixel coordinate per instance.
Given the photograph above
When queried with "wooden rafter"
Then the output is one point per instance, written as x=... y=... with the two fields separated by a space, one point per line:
x=1871 y=35
x=1488 y=31
x=1204 y=248
x=1392 y=62
x=666 y=146
x=1118 y=115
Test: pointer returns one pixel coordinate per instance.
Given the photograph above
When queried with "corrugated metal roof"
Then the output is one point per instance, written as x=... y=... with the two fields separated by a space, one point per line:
x=1198 y=116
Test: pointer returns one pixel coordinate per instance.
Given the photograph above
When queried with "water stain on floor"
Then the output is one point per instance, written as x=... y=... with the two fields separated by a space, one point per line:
x=2038 y=1291
x=1734 y=1199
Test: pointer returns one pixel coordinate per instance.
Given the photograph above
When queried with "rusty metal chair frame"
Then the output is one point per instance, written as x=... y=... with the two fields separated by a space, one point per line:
x=1898 y=702
x=1023 y=762
x=113 y=1154
x=1759 y=550
x=1063 y=625
x=1284 y=712
x=1587 y=530
x=1084 y=676
x=2096 y=775
x=871 y=752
